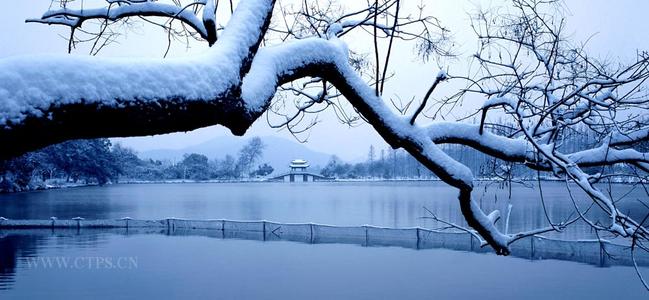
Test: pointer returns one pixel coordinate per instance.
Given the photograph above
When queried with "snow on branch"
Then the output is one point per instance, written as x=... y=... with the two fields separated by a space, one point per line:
x=122 y=9
x=44 y=91
x=550 y=92
x=548 y=95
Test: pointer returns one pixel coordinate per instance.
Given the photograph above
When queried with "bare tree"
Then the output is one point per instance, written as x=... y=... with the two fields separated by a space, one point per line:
x=249 y=154
x=527 y=69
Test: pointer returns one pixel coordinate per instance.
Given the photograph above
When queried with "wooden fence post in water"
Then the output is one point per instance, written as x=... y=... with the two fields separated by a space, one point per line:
x=471 y=243
x=78 y=219
x=532 y=248
x=126 y=219
x=366 y=238
x=603 y=254
x=311 y=233
x=263 y=226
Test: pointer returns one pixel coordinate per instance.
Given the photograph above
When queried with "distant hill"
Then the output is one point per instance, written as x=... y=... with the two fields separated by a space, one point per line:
x=277 y=153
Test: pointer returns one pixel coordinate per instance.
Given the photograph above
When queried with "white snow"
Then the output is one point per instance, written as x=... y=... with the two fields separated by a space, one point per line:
x=498 y=101
x=31 y=85
x=115 y=12
x=509 y=147
x=609 y=155
x=261 y=82
x=209 y=11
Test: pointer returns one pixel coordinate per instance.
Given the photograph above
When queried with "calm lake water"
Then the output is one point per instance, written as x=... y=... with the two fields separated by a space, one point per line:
x=169 y=265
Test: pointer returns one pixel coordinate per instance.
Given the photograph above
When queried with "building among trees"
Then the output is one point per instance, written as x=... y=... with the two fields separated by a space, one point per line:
x=257 y=66
x=298 y=173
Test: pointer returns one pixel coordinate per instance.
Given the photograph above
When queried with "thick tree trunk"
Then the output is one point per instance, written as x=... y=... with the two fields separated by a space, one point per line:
x=83 y=121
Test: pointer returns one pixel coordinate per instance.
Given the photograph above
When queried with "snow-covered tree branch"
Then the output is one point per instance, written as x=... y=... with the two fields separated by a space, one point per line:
x=198 y=15
x=545 y=86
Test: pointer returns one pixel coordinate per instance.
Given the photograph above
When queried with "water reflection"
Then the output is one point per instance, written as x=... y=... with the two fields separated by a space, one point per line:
x=12 y=248
x=389 y=204
x=352 y=204
x=18 y=245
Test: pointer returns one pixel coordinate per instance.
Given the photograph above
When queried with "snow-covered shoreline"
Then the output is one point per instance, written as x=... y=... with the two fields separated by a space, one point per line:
x=53 y=186
x=47 y=185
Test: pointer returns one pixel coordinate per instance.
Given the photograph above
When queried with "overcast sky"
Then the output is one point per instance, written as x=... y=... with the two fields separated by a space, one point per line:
x=619 y=29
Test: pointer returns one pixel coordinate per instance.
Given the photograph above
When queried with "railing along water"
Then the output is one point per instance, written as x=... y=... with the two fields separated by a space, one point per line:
x=595 y=252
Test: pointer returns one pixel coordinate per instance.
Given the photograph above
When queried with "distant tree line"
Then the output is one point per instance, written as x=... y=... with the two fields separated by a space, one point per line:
x=383 y=164
x=398 y=164
x=87 y=161
x=195 y=166
x=97 y=161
